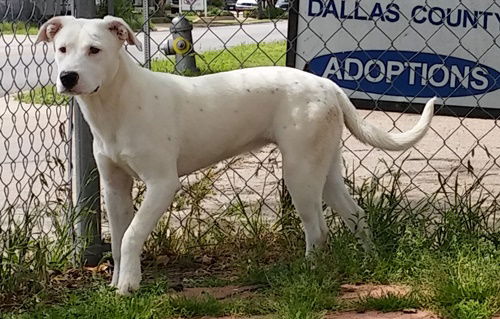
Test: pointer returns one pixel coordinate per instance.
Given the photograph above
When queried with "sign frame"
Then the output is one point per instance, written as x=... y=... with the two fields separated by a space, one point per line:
x=388 y=106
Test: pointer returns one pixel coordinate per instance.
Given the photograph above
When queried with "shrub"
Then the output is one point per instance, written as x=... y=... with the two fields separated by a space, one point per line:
x=123 y=9
x=216 y=3
x=216 y=11
x=266 y=13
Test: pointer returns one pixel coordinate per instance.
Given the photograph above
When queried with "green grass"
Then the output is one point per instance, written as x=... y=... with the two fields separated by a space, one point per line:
x=104 y=303
x=466 y=284
x=237 y=57
x=304 y=290
x=44 y=95
x=456 y=276
x=462 y=285
x=18 y=28
x=152 y=301
x=241 y=56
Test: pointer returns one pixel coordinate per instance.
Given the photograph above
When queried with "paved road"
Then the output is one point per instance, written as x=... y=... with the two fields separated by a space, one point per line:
x=23 y=65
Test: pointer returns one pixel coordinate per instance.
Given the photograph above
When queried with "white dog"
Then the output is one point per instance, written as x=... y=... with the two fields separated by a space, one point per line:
x=158 y=127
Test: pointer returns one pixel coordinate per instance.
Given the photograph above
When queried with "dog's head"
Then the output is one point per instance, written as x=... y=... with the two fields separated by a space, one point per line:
x=86 y=50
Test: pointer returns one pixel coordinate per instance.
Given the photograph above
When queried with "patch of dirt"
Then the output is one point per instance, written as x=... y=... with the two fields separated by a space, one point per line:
x=356 y=315
x=381 y=315
x=355 y=292
x=349 y=293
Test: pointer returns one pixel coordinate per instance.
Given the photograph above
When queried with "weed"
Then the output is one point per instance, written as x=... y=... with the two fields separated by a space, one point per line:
x=466 y=284
x=28 y=254
x=304 y=291
x=303 y=288
x=125 y=10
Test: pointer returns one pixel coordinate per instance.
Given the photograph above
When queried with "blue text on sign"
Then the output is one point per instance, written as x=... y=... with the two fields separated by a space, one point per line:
x=406 y=73
x=452 y=17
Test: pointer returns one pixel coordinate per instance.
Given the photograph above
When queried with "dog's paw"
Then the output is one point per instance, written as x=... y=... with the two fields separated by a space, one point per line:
x=129 y=281
x=127 y=286
x=114 y=281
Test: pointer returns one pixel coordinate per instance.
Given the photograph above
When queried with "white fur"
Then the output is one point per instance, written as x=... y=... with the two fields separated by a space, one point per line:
x=158 y=127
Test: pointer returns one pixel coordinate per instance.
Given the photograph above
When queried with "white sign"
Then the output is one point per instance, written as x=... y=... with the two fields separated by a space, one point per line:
x=193 y=5
x=404 y=50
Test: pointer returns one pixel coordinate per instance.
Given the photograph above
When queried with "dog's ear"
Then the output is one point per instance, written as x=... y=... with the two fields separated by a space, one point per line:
x=121 y=29
x=49 y=29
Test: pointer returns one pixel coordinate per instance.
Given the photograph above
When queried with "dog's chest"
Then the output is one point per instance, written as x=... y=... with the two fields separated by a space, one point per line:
x=118 y=153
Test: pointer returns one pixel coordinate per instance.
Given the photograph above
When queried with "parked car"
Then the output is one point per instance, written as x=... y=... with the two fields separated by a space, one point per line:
x=230 y=4
x=282 y=4
x=246 y=5
x=174 y=6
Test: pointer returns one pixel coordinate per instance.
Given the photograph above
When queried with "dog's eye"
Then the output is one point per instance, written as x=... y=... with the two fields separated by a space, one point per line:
x=94 y=50
x=62 y=49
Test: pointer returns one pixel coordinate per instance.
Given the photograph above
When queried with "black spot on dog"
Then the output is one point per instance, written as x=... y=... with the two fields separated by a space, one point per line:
x=248 y=90
x=156 y=97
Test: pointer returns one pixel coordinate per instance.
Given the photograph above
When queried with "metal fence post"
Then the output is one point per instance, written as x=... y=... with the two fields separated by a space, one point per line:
x=88 y=204
x=147 y=35
x=111 y=8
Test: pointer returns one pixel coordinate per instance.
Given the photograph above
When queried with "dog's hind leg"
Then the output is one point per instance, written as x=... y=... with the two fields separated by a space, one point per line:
x=307 y=139
x=304 y=177
x=337 y=197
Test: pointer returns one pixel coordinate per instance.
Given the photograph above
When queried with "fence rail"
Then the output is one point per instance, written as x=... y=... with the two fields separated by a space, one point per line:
x=36 y=126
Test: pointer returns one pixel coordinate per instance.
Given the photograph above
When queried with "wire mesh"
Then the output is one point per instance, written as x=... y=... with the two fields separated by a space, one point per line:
x=34 y=122
x=457 y=146
x=221 y=201
x=35 y=153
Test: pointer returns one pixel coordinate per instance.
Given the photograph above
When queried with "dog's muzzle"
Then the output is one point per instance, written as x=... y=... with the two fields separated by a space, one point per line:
x=69 y=79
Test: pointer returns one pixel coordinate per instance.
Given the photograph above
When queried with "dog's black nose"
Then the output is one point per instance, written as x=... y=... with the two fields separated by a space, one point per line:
x=69 y=79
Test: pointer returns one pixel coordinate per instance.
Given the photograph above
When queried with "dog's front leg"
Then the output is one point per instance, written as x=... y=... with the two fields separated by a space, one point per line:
x=159 y=195
x=117 y=186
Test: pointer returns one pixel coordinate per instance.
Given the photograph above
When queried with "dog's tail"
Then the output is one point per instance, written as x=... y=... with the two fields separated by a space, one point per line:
x=370 y=134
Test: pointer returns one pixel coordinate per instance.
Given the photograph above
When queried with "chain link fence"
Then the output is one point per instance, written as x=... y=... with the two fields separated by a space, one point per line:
x=235 y=196
x=371 y=40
